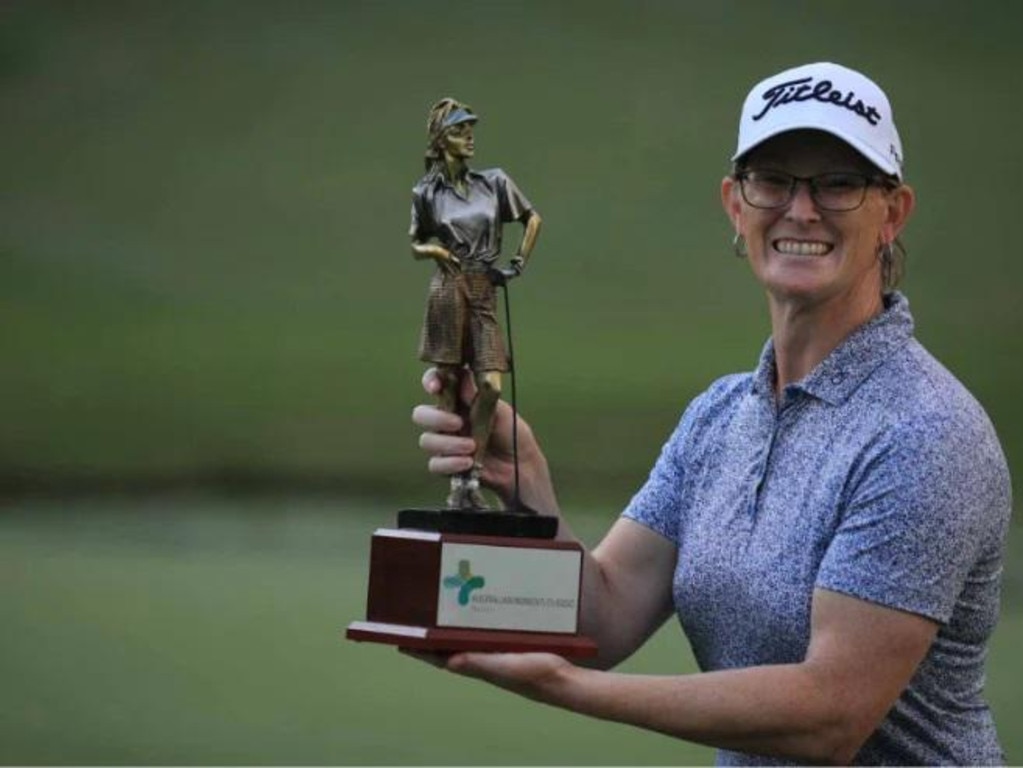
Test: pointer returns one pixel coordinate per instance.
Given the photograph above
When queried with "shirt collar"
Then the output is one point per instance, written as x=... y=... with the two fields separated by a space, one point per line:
x=847 y=366
x=441 y=180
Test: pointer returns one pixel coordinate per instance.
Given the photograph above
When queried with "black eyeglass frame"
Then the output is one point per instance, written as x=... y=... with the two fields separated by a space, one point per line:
x=869 y=180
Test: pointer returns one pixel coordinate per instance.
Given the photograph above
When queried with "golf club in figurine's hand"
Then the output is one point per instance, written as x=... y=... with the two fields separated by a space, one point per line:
x=501 y=276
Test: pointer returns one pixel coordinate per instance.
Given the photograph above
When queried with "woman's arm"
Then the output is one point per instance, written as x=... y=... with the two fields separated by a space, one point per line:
x=821 y=710
x=530 y=233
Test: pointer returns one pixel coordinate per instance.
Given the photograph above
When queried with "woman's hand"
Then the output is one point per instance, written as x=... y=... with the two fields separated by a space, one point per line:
x=451 y=452
x=446 y=260
x=533 y=675
x=528 y=674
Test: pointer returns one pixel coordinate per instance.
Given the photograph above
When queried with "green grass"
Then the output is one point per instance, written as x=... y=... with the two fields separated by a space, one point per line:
x=211 y=633
x=208 y=631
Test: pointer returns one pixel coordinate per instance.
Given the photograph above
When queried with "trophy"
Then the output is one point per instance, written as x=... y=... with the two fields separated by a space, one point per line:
x=465 y=577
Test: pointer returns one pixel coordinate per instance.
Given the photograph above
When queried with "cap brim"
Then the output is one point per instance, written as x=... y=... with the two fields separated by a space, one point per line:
x=885 y=164
x=459 y=117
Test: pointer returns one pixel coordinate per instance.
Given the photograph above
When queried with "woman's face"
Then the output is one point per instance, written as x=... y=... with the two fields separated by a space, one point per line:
x=458 y=142
x=803 y=253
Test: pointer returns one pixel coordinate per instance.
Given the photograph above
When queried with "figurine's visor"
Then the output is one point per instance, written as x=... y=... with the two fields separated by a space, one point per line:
x=457 y=117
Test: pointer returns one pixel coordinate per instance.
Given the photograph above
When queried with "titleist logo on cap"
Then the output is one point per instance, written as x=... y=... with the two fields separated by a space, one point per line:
x=804 y=89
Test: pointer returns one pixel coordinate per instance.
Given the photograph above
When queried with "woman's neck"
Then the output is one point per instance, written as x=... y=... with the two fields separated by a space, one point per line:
x=454 y=169
x=805 y=334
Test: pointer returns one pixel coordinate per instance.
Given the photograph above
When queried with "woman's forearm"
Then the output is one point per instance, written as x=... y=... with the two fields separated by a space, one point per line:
x=529 y=236
x=780 y=710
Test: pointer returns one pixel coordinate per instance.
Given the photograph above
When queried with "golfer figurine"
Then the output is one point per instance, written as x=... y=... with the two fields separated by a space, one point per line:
x=457 y=217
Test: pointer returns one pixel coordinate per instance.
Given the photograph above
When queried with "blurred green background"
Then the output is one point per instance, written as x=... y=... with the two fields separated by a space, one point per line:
x=211 y=316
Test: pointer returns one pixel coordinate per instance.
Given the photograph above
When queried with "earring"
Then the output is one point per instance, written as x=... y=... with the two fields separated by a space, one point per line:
x=739 y=245
x=887 y=258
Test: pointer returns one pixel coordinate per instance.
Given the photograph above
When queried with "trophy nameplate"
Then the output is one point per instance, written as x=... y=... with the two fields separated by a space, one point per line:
x=449 y=592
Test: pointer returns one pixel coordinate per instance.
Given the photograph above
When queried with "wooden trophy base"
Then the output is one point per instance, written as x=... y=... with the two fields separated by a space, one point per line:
x=433 y=590
x=442 y=640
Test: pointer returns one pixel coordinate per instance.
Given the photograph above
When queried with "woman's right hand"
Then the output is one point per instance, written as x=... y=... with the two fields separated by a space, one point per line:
x=451 y=452
x=447 y=261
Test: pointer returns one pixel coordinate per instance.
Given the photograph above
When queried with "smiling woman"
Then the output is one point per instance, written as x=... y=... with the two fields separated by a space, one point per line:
x=818 y=219
x=829 y=527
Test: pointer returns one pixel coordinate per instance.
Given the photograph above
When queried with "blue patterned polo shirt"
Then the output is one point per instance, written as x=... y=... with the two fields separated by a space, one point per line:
x=877 y=476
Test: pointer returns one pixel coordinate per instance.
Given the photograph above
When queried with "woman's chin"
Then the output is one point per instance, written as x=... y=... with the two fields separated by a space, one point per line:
x=798 y=281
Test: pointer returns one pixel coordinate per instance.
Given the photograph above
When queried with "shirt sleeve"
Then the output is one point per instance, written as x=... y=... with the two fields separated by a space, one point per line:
x=658 y=504
x=513 y=204
x=419 y=228
x=923 y=505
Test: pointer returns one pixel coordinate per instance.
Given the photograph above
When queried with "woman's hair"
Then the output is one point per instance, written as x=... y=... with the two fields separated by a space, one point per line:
x=892 y=257
x=435 y=128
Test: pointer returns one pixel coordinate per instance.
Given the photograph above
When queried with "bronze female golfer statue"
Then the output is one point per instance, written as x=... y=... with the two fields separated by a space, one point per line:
x=457 y=218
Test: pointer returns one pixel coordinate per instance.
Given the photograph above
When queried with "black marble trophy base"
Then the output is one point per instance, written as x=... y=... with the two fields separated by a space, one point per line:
x=475 y=522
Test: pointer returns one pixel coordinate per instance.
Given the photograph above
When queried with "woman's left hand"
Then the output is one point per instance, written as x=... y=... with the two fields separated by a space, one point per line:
x=533 y=675
x=527 y=674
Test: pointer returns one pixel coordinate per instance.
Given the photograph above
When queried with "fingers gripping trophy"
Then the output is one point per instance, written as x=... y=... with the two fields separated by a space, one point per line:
x=457 y=219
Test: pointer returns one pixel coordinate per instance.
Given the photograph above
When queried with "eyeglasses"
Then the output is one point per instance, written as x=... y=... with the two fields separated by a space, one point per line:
x=839 y=191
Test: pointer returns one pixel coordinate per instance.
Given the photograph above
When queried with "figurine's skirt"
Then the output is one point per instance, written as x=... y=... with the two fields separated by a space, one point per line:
x=461 y=323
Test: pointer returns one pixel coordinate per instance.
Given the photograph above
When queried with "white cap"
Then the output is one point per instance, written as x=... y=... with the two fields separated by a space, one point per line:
x=825 y=97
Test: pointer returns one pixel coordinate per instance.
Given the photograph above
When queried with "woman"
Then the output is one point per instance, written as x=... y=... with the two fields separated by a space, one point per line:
x=828 y=528
x=457 y=215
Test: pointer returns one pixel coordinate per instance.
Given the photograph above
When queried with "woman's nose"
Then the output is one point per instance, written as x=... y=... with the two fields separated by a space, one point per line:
x=802 y=206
